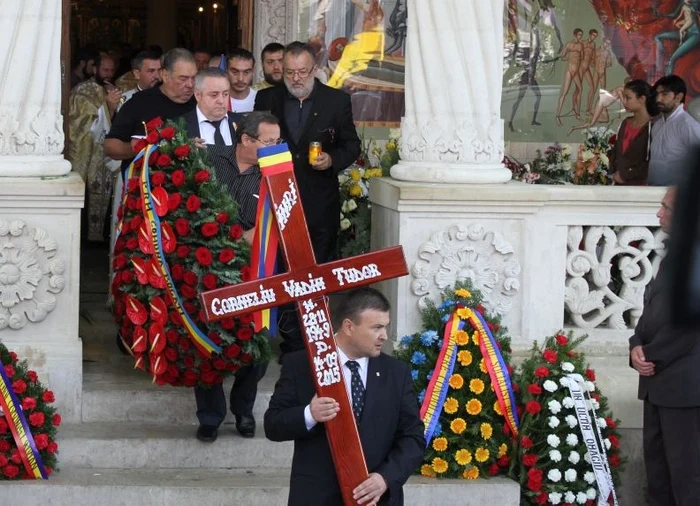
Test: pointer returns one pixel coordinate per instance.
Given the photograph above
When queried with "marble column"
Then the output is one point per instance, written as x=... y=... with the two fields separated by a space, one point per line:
x=161 y=23
x=452 y=131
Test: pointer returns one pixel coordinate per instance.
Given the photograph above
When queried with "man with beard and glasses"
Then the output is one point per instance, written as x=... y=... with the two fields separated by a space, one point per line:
x=673 y=134
x=312 y=112
x=271 y=59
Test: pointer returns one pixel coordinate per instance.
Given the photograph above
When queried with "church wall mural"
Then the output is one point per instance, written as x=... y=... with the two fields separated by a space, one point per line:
x=565 y=60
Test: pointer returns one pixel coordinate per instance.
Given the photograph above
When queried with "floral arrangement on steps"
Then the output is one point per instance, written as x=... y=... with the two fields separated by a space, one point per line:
x=178 y=237
x=552 y=460
x=33 y=424
x=470 y=435
x=356 y=214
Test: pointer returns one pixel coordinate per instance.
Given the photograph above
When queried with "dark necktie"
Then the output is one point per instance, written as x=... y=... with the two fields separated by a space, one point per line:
x=357 y=389
x=218 y=138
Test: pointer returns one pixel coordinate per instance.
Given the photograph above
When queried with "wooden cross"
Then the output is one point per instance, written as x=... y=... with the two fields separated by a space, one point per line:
x=306 y=283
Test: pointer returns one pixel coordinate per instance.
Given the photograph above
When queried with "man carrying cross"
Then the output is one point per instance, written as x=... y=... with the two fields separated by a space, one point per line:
x=383 y=403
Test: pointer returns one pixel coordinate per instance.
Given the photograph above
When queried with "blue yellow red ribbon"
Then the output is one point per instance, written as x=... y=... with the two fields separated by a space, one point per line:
x=19 y=427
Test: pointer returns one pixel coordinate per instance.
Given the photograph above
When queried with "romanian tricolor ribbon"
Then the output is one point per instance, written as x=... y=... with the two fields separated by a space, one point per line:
x=19 y=427
x=440 y=380
x=199 y=338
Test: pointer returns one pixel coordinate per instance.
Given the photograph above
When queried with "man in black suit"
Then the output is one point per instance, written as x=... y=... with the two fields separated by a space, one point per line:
x=312 y=112
x=667 y=357
x=231 y=142
x=384 y=404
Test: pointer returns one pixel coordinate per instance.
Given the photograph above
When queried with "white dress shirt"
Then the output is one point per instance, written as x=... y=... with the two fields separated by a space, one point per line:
x=206 y=129
x=347 y=376
x=672 y=139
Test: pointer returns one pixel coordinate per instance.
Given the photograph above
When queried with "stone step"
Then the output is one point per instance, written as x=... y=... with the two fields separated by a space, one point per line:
x=269 y=487
x=136 y=446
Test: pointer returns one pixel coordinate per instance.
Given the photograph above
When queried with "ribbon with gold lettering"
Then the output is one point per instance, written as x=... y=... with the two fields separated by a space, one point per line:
x=19 y=427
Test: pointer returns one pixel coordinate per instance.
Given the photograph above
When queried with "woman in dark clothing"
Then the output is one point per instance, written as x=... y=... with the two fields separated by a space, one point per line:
x=629 y=160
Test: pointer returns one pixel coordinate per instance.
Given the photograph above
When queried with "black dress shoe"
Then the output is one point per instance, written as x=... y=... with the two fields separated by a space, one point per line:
x=207 y=433
x=245 y=425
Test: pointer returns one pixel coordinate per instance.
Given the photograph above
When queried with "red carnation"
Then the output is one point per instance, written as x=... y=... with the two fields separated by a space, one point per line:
x=13 y=356
x=15 y=457
x=209 y=281
x=542 y=498
x=37 y=419
x=226 y=255
x=172 y=336
x=190 y=278
x=4 y=446
x=19 y=387
x=183 y=251
x=42 y=441
x=246 y=273
x=127 y=276
x=203 y=256
x=168 y=133
x=178 y=177
x=534 y=389
x=177 y=271
x=210 y=377
x=3 y=426
x=493 y=469
x=614 y=442
x=561 y=340
x=188 y=292
x=246 y=358
x=10 y=371
x=614 y=460
x=174 y=200
x=182 y=226
x=10 y=471
x=232 y=351
x=590 y=374
x=157 y=178
x=154 y=123
x=244 y=333
x=201 y=176
x=550 y=356
x=188 y=361
x=210 y=229
x=533 y=407
x=139 y=145
x=152 y=138
x=53 y=447
x=529 y=459
x=119 y=262
x=534 y=485
x=133 y=185
x=171 y=354
x=3 y=461
x=136 y=222
x=28 y=403
x=228 y=323
x=526 y=442
x=222 y=217
x=542 y=372
x=246 y=319
x=503 y=461
x=192 y=203
x=163 y=160
x=611 y=423
x=220 y=364
x=48 y=396
x=236 y=232
x=182 y=151
x=535 y=474
x=132 y=243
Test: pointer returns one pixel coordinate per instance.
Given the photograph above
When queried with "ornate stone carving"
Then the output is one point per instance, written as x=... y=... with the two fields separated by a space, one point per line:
x=30 y=275
x=607 y=271
x=459 y=253
x=272 y=19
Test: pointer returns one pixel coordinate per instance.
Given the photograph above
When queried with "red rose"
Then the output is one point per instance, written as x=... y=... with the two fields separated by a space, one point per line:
x=614 y=460
x=154 y=123
x=503 y=461
x=215 y=337
x=10 y=471
x=28 y=403
x=191 y=375
x=163 y=160
x=182 y=226
x=37 y=419
x=526 y=442
x=3 y=461
x=174 y=200
x=232 y=350
x=246 y=358
x=167 y=133
x=157 y=178
x=189 y=307
x=119 y=245
x=590 y=374
x=236 y=232
x=246 y=273
x=192 y=203
x=127 y=276
x=542 y=498
x=534 y=485
x=534 y=389
x=533 y=407
x=246 y=319
x=178 y=177
x=133 y=185
x=188 y=292
x=48 y=396
x=209 y=281
x=542 y=372
x=210 y=377
x=190 y=278
x=183 y=251
x=226 y=255
x=244 y=333
x=550 y=356
x=188 y=361
x=182 y=151
x=13 y=356
x=222 y=217
x=152 y=138
x=4 y=445
x=529 y=459
x=170 y=354
x=177 y=271
x=10 y=371
x=15 y=457
x=220 y=364
x=19 y=387
x=139 y=145
x=228 y=323
x=210 y=229
x=561 y=340
x=203 y=256
x=201 y=176
x=611 y=423
x=42 y=441
x=132 y=243
x=535 y=474
x=172 y=336
x=52 y=448
x=119 y=262
x=493 y=469
x=614 y=442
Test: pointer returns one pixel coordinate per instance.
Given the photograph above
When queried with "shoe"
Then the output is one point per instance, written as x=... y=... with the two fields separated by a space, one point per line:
x=207 y=433
x=245 y=425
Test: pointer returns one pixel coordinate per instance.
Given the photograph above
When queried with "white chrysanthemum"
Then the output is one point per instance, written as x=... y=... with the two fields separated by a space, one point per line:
x=568 y=402
x=591 y=493
x=570 y=475
x=595 y=404
x=589 y=477
x=352 y=205
x=572 y=439
x=571 y=421
x=567 y=367
x=564 y=381
x=553 y=441
x=549 y=386
x=607 y=443
x=590 y=386
x=574 y=457
x=581 y=498
x=554 y=475
x=553 y=422
x=602 y=423
x=554 y=455
x=554 y=406
x=554 y=497
x=587 y=457
x=345 y=224
x=569 y=497
x=344 y=208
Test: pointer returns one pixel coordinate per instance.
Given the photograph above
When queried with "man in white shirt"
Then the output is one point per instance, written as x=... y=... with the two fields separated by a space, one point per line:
x=674 y=134
x=240 y=63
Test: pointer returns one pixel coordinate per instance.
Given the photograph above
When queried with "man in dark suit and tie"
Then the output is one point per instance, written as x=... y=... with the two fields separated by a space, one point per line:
x=382 y=399
x=667 y=357
x=231 y=142
x=310 y=111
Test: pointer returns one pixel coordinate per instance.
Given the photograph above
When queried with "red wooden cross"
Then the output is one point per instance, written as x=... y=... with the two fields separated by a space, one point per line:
x=306 y=283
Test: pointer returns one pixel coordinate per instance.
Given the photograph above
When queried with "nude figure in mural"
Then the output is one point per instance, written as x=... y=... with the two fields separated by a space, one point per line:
x=686 y=18
x=589 y=50
x=605 y=99
x=572 y=53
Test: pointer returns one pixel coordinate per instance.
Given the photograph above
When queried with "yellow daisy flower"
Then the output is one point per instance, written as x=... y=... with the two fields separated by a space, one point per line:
x=475 y=337
x=439 y=465
x=456 y=381
x=497 y=408
x=464 y=313
x=440 y=444
x=471 y=474
x=463 y=293
x=481 y=454
x=474 y=407
x=451 y=405
x=458 y=425
x=476 y=386
x=461 y=337
x=464 y=357
x=355 y=174
x=482 y=366
x=486 y=430
x=463 y=457
x=502 y=450
x=426 y=470
x=355 y=191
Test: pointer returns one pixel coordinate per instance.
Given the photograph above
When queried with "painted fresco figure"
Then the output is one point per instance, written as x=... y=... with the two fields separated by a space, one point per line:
x=573 y=54
x=528 y=79
x=546 y=12
x=587 y=62
x=685 y=18
x=397 y=26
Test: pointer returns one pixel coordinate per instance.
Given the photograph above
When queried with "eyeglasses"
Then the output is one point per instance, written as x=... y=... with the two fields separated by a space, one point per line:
x=302 y=73
x=268 y=143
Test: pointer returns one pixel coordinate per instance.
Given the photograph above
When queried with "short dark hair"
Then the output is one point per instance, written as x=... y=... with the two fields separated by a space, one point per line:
x=578 y=30
x=202 y=50
x=272 y=47
x=250 y=124
x=672 y=83
x=355 y=302
x=140 y=57
x=297 y=47
x=240 y=53
x=592 y=31
x=175 y=55
x=85 y=54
